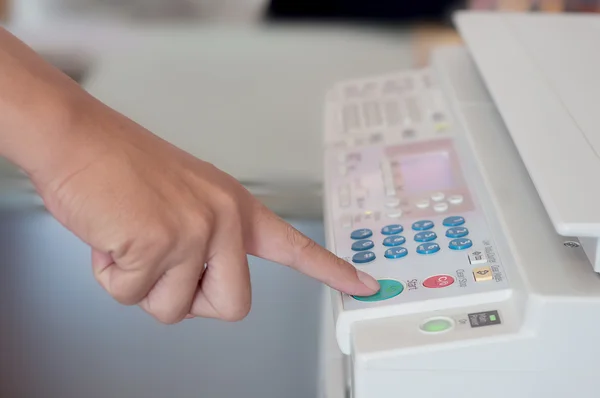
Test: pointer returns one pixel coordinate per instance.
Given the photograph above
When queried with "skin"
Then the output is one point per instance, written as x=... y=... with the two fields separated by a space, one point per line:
x=168 y=232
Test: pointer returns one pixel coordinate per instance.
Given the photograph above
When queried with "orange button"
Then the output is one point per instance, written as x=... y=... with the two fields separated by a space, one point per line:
x=483 y=274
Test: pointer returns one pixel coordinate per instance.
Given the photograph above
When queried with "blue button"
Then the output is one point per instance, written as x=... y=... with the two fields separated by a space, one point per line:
x=422 y=225
x=361 y=245
x=361 y=234
x=460 y=244
x=392 y=229
x=457 y=232
x=396 y=252
x=363 y=257
x=428 y=248
x=425 y=236
x=392 y=241
x=454 y=221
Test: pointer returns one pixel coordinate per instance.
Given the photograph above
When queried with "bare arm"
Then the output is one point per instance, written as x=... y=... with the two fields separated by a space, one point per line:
x=153 y=215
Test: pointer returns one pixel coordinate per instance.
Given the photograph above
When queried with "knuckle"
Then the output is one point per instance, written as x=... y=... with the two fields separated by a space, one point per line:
x=237 y=313
x=125 y=295
x=204 y=222
x=167 y=317
x=159 y=239
x=200 y=226
x=299 y=241
x=164 y=311
x=228 y=202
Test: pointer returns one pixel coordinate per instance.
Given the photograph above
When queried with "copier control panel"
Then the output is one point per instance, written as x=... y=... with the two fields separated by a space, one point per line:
x=400 y=205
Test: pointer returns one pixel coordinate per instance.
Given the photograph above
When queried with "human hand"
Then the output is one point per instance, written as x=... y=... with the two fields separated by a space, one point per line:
x=155 y=215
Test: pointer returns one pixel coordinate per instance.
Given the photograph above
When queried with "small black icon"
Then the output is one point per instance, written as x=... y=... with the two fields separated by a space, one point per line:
x=477 y=253
x=487 y=318
x=483 y=272
x=463 y=321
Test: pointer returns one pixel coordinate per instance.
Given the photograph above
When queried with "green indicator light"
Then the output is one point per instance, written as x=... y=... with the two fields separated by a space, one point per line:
x=493 y=318
x=437 y=325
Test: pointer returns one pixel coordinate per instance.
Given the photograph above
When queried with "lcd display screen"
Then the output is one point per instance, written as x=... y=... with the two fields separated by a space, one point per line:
x=426 y=172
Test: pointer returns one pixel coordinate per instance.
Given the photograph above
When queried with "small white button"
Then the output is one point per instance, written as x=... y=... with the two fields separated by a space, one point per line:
x=441 y=207
x=361 y=193
x=422 y=204
x=395 y=214
x=344 y=201
x=347 y=221
x=438 y=196
x=456 y=199
x=393 y=203
x=477 y=257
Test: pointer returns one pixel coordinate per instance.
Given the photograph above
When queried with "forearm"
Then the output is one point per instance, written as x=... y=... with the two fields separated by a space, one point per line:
x=37 y=107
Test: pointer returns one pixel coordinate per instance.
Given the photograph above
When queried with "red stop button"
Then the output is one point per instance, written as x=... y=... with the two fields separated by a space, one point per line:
x=438 y=281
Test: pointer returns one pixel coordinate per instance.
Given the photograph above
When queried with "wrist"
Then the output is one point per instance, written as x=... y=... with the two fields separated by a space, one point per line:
x=41 y=109
x=37 y=135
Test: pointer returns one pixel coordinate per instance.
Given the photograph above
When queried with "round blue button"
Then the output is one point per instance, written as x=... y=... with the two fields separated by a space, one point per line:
x=361 y=245
x=460 y=244
x=392 y=229
x=388 y=289
x=457 y=232
x=363 y=233
x=422 y=225
x=396 y=252
x=427 y=236
x=392 y=241
x=363 y=257
x=428 y=248
x=454 y=221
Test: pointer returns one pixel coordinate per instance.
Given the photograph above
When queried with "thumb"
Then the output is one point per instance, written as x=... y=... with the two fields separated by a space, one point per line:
x=128 y=287
x=273 y=239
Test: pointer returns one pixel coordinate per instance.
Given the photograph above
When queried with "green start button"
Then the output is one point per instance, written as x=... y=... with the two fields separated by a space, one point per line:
x=388 y=289
x=437 y=325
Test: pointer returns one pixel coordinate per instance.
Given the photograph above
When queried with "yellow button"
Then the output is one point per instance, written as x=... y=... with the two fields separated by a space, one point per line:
x=482 y=274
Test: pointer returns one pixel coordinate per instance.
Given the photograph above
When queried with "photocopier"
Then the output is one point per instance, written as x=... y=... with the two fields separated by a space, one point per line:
x=470 y=190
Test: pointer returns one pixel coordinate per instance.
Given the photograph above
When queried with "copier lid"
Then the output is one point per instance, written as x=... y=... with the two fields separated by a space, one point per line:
x=543 y=72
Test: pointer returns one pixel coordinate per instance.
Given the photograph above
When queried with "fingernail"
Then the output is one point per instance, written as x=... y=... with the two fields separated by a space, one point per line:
x=368 y=281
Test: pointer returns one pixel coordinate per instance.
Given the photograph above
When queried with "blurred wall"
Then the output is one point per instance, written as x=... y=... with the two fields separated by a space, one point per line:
x=62 y=336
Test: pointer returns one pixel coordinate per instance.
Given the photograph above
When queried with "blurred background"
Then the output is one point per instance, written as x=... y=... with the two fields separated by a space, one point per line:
x=239 y=83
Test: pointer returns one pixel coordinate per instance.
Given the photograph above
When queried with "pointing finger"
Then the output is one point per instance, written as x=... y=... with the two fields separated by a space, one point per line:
x=274 y=239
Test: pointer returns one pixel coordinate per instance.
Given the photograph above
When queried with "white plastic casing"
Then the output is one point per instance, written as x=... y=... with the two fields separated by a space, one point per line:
x=537 y=335
x=542 y=73
x=415 y=172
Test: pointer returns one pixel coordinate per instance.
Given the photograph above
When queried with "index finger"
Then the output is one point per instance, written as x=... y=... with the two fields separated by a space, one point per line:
x=274 y=239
